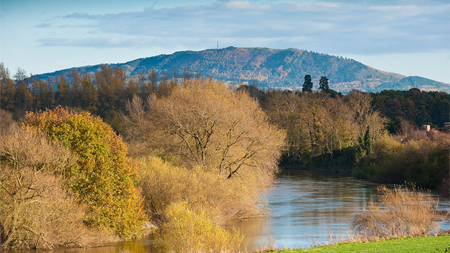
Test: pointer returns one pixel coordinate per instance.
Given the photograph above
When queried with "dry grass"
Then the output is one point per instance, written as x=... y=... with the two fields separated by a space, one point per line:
x=402 y=213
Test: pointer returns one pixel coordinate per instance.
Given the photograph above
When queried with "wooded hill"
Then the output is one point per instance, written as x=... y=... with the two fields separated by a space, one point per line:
x=272 y=68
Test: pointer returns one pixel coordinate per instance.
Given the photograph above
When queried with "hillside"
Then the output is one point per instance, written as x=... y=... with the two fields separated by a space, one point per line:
x=272 y=68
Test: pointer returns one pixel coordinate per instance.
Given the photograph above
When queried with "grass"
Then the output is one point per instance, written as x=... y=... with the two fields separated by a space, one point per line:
x=426 y=244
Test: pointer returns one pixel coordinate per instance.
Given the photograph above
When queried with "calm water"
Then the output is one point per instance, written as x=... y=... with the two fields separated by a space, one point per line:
x=308 y=207
x=305 y=209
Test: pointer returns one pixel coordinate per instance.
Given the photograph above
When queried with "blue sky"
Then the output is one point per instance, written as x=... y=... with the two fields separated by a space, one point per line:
x=408 y=37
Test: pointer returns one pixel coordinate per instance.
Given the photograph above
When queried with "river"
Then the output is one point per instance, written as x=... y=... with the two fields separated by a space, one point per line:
x=309 y=208
x=305 y=209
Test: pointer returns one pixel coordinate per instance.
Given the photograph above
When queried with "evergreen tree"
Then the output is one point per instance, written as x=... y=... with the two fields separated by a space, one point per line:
x=307 y=85
x=323 y=84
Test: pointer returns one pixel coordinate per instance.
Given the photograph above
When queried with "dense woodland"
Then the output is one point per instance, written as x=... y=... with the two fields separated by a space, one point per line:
x=106 y=93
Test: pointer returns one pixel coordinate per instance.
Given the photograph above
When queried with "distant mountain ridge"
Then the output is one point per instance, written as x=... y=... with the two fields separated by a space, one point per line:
x=274 y=68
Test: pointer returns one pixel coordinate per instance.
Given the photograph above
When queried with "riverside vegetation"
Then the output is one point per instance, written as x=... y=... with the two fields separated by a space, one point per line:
x=199 y=154
x=188 y=176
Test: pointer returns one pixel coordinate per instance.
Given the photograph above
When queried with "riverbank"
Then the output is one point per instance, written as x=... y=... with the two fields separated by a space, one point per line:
x=417 y=244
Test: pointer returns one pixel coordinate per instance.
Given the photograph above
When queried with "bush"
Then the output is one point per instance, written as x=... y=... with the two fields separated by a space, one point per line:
x=188 y=231
x=102 y=177
x=422 y=162
x=426 y=162
x=35 y=210
x=375 y=165
x=403 y=213
x=223 y=199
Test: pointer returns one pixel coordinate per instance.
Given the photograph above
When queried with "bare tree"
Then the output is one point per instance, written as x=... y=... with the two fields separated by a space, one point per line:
x=205 y=124
x=364 y=115
x=35 y=211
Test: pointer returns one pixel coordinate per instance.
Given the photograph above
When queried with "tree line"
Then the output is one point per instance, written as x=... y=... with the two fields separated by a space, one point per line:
x=106 y=92
x=324 y=128
x=372 y=136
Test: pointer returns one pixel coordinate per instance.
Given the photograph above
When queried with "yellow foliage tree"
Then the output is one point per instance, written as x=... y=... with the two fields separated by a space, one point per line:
x=103 y=177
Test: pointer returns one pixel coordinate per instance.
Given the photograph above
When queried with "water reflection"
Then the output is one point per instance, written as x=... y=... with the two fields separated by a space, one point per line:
x=308 y=207
x=136 y=246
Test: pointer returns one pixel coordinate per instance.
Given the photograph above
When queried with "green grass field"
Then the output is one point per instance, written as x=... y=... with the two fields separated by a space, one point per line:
x=419 y=244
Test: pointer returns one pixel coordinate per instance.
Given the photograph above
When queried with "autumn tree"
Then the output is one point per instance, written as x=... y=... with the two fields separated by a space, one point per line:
x=35 y=211
x=103 y=177
x=364 y=115
x=88 y=94
x=321 y=128
x=207 y=146
x=24 y=97
x=166 y=85
x=132 y=89
x=337 y=125
x=312 y=117
x=65 y=93
x=7 y=90
x=205 y=124
x=153 y=76
x=77 y=88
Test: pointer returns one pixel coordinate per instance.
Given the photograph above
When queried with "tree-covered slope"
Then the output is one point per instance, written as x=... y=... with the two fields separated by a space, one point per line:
x=274 y=68
x=423 y=84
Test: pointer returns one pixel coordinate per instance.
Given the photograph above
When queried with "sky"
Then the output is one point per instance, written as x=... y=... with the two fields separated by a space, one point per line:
x=409 y=37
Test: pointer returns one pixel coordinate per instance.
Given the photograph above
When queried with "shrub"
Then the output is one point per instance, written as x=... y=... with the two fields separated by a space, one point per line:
x=102 y=177
x=426 y=162
x=223 y=199
x=189 y=231
x=35 y=210
x=422 y=162
x=375 y=165
x=402 y=213
x=386 y=146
